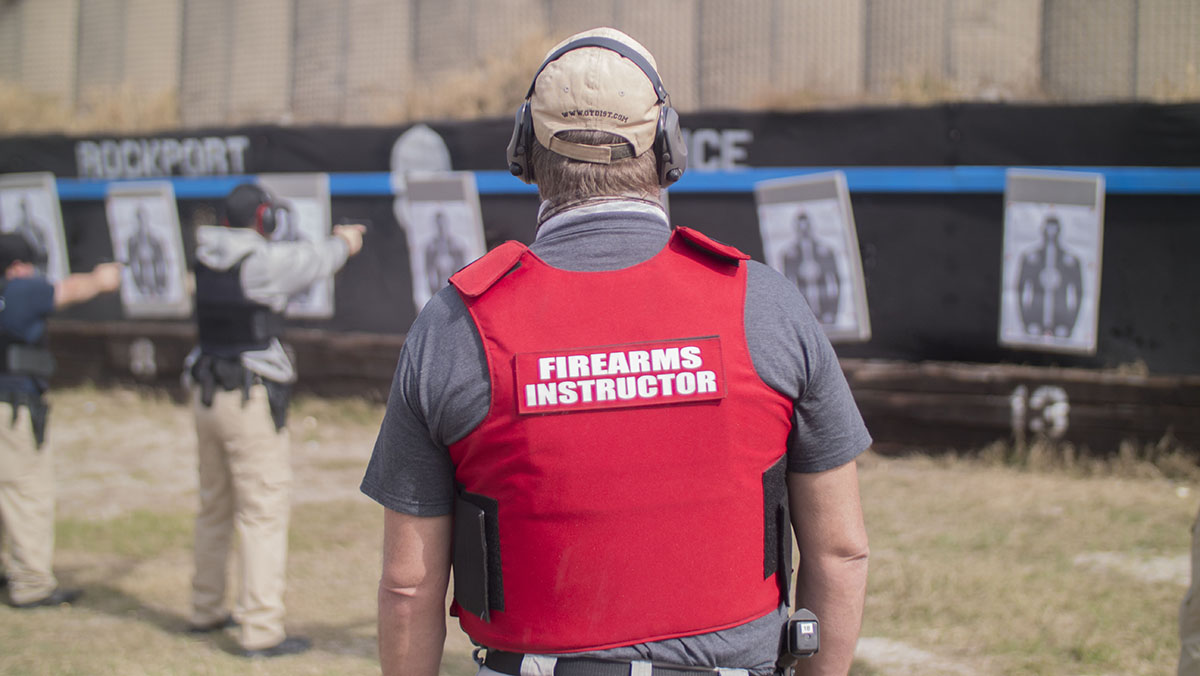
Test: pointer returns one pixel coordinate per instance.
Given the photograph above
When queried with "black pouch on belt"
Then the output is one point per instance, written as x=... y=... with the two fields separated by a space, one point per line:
x=39 y=410
x=279 y=395
x=30 y=360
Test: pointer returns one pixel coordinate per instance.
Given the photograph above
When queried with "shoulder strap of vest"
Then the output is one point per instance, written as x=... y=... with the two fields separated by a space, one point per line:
x=710 y=246
x=479 y=276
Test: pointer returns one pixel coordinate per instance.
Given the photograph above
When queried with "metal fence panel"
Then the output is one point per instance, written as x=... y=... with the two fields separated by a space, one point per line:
x=152 y=48
x=49 y=29
x=1088 y=49
x=820 y=51
x=204 y=73
x=379 y=60
x=102 y=41
x=319 y=69
x=995 y=48
x=388 y=61
x=10 y=42
x=906 y=46
x=736 y=40
x=668 y=29
x=1168 y=49
x=260 y=84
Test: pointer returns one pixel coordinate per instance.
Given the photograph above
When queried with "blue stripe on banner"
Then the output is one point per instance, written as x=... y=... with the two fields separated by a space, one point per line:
x=917 y=180
x=364 y=184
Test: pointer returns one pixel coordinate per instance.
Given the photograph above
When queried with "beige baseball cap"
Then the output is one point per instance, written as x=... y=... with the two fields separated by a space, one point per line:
x=596 y=88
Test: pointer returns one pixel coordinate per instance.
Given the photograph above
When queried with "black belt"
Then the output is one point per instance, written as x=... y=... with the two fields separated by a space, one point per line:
x=211 y=371
x=510 y=663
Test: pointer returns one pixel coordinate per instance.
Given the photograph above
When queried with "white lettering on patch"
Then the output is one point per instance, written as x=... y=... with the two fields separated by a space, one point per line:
x=642 y=374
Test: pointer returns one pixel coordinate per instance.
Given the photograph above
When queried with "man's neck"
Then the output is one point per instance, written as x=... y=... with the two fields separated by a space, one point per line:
x=549 y=209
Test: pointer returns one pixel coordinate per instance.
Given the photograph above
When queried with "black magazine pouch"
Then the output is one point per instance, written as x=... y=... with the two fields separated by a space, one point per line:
x=478 y=584
x=777 y=528
x=30 y=360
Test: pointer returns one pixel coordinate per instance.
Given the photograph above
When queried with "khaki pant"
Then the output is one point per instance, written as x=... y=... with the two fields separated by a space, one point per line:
x=26 y=509
x=1189 y=614
x=245 y=486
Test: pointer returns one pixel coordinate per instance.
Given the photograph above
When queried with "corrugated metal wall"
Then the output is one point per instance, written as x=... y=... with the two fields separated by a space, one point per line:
x=1168 y=49
x=10 y=42
x=821 y=49
x=152 y=44
x=371 y=61
x=1088 y=48
x=205 y=67
x=995 y=48
x=49 y=37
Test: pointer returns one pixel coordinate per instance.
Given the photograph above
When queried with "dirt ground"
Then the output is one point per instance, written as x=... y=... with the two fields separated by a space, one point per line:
x=148 y=460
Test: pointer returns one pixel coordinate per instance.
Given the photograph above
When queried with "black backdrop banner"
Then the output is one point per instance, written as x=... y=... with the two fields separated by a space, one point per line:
x=931 y=259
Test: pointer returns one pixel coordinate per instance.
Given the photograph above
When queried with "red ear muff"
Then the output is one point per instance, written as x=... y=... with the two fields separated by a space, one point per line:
x=264 y=219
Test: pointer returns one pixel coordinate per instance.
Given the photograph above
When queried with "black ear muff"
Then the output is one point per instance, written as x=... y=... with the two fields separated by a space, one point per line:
x=520 y=147
x=669 y=148
x=264 y=219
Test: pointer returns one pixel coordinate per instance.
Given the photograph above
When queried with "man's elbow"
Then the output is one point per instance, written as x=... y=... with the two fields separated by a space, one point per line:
x=398 y=592
x=857 y=553
x=846 y=555
x=412 y=590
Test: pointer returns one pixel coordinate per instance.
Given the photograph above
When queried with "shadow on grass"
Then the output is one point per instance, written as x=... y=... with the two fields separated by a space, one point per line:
x=344 y=639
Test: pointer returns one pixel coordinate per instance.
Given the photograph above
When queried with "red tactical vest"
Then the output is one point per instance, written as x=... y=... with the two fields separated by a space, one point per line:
x=626 y=485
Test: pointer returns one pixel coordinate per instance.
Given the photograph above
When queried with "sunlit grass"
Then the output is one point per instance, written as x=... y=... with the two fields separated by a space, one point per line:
x=980 y=561
x=141 y=533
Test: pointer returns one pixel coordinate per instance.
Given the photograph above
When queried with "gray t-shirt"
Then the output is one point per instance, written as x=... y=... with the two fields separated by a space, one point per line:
x=441 y=392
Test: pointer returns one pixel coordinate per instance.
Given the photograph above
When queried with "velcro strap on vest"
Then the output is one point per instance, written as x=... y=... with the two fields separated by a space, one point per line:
x=479 y=276
x=705 y=243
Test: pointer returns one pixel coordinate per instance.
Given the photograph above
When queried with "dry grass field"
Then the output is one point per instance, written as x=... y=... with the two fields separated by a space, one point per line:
x=979 y=568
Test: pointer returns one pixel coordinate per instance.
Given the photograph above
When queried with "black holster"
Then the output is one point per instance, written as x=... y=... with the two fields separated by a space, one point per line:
x=211 y=372
x=279 y=395
x=39 y=410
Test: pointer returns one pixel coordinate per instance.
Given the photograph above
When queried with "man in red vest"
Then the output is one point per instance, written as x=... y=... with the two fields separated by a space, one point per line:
x=609 y=436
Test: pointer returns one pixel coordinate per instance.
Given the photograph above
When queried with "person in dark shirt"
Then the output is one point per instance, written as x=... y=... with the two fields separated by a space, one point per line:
x=26 y=456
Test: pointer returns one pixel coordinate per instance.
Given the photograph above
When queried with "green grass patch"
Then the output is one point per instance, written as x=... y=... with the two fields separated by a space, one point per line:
x=979 y=562
x=348 y=411
x=334 y=524
x=141 y=533
x=341 y=465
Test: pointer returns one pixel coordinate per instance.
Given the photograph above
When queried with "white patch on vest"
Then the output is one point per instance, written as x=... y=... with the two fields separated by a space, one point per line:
x=666 y=372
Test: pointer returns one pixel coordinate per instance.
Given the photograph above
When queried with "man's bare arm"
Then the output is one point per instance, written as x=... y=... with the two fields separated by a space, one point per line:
x=412 y=593
x=832 y=580
x=84 y=286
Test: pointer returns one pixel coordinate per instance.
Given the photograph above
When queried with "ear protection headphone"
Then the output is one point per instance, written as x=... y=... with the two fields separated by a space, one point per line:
x=264 y=219
x=669 y=150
